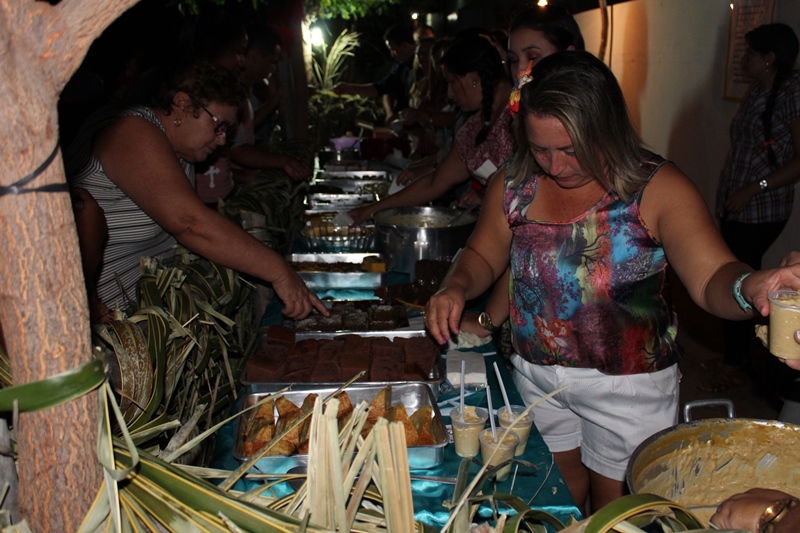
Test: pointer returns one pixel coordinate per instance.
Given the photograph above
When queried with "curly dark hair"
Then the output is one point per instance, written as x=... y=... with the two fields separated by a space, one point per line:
x=476 y=54
x=204 y=83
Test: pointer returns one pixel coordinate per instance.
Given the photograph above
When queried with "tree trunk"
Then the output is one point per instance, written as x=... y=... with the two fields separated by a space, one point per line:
x=43 y=304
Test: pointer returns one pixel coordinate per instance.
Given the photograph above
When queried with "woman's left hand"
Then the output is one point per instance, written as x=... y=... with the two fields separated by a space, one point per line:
x=757 y=286
x=737 y=202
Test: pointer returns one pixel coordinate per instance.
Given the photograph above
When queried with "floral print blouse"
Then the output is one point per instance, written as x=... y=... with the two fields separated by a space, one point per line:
x=590 y=292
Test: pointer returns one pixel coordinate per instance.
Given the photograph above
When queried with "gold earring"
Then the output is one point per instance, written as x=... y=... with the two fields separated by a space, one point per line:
x=177 y=122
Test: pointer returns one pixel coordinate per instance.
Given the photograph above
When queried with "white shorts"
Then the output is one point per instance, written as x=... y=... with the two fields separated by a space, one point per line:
x=606 y=416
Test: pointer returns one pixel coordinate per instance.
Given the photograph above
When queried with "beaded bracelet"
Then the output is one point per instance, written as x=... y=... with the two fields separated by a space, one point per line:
x=737 y=293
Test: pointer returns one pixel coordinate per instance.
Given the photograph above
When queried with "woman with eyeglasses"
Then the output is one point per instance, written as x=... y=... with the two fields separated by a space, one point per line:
x=138 y=163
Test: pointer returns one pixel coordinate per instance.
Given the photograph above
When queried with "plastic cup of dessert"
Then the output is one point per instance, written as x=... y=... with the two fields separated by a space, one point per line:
x=522 y=425
x=784 y=320
x=505 y=446
x=466 y=432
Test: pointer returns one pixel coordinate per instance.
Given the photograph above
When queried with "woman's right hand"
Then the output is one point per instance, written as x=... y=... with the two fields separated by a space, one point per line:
x=744 y=510
x=297 y=298
x=362 y=214
x=443 y=313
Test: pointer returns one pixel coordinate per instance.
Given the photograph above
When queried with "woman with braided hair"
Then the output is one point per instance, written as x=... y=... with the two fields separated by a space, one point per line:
x=477 y=82
x=756 y=190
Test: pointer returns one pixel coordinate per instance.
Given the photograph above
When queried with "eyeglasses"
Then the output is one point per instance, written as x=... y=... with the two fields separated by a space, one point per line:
x=221 y=127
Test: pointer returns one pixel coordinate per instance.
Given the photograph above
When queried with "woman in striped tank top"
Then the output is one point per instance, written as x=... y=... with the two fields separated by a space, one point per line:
x=138 y=164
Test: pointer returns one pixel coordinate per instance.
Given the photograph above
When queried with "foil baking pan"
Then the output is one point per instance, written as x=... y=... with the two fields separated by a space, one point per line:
x=436 y=377
x=318 y=200
x=378 y=188
x=413 y=395
x=374 y=175
x=338 y=280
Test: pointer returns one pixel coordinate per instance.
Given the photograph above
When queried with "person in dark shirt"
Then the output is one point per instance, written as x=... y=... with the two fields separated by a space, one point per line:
x=396 y=86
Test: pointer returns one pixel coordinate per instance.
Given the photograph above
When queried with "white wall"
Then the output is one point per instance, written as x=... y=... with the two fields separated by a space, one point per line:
x=669 y=56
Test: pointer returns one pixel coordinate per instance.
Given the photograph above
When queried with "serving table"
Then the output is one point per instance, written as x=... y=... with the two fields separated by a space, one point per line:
x=538 y=482
x=542 y=487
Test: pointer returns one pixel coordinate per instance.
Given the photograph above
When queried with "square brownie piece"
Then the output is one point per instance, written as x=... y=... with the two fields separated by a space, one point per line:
x=274 y=353
x=263 y=371
x=355 y=321
x=280 y=335
x=385 y=368
x=326 y=372
x=330 y=350
x=307 y=347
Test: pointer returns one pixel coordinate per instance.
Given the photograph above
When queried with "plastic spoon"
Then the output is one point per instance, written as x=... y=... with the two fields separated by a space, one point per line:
x=463 y=374
x=491 y=413
x=511 y=416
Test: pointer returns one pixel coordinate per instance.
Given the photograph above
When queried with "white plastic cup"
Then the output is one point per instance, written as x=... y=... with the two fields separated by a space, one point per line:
x=467 y=432
x=784 y=321
x=505 y=450
x=522 y=425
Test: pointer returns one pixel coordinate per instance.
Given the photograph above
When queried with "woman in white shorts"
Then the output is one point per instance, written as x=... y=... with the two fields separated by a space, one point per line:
x=586 y=218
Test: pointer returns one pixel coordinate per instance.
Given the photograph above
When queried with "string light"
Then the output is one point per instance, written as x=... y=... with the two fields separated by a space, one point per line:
x=542 y=3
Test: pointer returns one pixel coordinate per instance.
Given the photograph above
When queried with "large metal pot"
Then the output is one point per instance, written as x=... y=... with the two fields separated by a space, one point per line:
x=405 y=235
x=700 y=463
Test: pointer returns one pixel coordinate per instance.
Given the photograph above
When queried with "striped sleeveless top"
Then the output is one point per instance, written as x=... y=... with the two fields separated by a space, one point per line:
x=132 y=234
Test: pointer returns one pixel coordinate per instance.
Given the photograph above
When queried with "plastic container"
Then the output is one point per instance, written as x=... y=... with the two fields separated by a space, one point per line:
x=466 y=433
x=505 y=446
x=784 y=321
x=522 y=425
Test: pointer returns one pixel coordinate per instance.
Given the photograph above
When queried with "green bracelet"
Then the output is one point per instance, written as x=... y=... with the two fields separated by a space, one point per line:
x=737 y=293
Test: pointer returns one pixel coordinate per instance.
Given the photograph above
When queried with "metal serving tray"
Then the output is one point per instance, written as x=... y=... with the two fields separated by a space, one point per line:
x=411 y=394
x=329 y=200
x=435 y=379
x=338 y=280
x=379 y=188
x=377 y=175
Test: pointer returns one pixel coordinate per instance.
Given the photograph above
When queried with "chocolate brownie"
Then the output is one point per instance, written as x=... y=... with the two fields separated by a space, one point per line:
x=330 y=350
x=275 y=353
x=307 y=346
x=355 y=321
x=280 y=335
x=326 y=372
x=385 y=368
x=263 y=371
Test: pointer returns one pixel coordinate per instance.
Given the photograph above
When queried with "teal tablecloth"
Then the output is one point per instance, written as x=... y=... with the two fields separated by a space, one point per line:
x=543 y=487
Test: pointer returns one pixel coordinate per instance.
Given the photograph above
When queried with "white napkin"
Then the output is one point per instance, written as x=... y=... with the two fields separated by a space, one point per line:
x=475 y=368
x=486 y=169
x=394 y=187
x=342 y=218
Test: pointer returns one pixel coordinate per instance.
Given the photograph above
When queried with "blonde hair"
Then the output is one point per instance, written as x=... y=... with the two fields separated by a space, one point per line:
x=582 y=93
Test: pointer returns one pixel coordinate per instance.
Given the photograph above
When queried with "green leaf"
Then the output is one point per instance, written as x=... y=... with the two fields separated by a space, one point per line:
x=54 y=390
x=634 y=504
